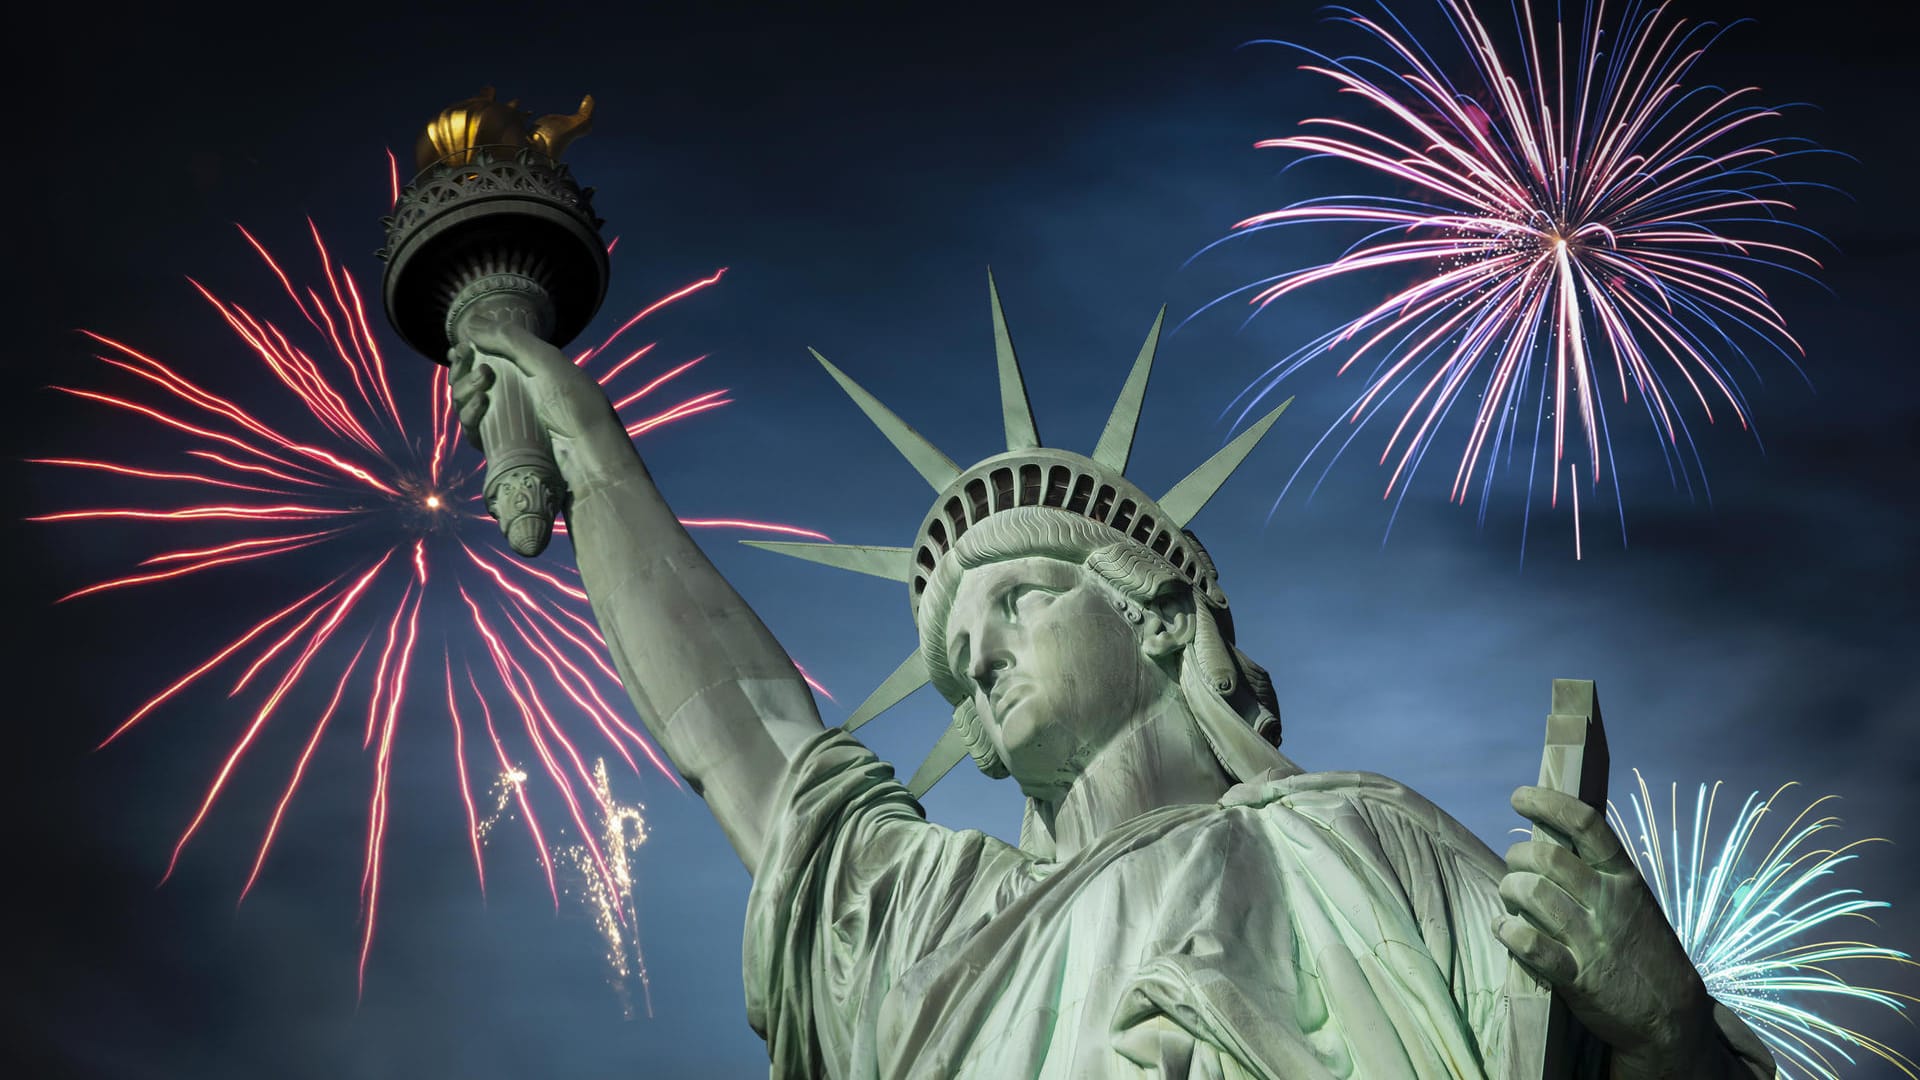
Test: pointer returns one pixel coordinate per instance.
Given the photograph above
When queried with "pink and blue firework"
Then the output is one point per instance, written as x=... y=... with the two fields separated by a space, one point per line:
x=1569 y=220
x=395 y=551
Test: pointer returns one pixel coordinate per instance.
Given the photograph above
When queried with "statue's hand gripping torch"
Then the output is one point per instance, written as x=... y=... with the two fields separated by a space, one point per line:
x=524 y=490
x=493 y=227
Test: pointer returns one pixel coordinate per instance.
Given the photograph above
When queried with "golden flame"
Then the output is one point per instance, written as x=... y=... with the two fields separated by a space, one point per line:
x=456 y=136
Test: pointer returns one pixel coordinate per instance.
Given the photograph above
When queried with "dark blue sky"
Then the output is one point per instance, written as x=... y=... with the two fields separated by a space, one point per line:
x=856 y=170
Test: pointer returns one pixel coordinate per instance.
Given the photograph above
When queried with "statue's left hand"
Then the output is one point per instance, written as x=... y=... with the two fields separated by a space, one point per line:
x=1585 y=921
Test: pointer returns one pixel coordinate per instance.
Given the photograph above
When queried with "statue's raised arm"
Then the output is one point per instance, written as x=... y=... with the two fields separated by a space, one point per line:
x=709 y=681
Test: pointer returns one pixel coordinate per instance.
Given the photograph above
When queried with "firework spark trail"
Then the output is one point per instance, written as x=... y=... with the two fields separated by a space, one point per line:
x=535 y=716
x=607 y=896
x=516 y=781
x=382 y=772
x=1574 y=210
x=460 y=766
x=320 y=637
x=1745 y=910
x=299 y=772
x=390 y=511
x=504 y=787
x=606 y=893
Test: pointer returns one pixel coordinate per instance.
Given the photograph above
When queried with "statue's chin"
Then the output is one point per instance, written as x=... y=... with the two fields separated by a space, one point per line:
x=1049 y=788
x=1033 y=747
x=1036 y=761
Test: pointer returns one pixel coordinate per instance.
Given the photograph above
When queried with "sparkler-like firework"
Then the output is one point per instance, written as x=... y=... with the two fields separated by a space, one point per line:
x=393 y=506
x=1746 y=908
x=1569 y=210
x=608 y=896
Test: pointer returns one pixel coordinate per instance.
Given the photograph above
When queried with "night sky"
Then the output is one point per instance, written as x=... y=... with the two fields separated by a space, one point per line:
x=856 y=172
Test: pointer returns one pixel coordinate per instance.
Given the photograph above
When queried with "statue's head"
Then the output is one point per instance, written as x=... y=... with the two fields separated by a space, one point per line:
x=1052 y=634
x=1058 y=603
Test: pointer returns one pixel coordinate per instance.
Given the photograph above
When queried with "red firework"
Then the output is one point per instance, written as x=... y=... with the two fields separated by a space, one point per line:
x=398 y=512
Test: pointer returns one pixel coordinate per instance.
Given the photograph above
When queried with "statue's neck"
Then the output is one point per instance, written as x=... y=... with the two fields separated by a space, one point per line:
x=1161 y=761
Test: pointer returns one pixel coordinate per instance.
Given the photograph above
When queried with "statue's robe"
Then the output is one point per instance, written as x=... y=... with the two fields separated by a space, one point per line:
x=1306 y=926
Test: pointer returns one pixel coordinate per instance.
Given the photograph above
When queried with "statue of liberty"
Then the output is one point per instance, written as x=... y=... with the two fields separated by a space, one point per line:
x=1184 y=901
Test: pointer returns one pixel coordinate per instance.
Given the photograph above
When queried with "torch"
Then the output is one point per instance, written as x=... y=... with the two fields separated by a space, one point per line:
x=494 y=227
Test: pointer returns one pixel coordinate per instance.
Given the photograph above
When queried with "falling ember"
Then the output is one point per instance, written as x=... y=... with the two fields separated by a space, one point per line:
x=312 y=454
x=1573 y=481
x=608 y=896
x=1566 y=222
x=505 y=788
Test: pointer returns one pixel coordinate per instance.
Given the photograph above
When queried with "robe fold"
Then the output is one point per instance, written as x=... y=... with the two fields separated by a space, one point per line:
x=1308 y=926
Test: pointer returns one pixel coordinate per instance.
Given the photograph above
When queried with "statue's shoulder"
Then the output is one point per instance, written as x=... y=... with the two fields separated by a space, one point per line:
x=1386 y=804
x=1288 y=786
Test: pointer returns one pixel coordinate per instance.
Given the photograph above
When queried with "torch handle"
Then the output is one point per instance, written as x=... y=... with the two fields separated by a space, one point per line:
x=524 y=490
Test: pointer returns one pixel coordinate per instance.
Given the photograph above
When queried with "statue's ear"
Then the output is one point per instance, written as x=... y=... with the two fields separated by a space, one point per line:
x=1167 y=628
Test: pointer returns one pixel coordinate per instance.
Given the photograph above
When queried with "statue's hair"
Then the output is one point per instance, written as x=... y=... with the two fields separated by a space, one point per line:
x=1134 y=577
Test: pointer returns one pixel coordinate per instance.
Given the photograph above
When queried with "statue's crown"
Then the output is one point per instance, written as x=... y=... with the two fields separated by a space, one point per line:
x=1027 y=474
x=456 y=135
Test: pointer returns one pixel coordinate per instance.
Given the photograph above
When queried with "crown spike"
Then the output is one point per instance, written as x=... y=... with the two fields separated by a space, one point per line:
x=946 y=753
x=1116 y=442
x=1188 y=496
x=892 y=563
x=1015 y=409
x=938 y=469
x=911 y=675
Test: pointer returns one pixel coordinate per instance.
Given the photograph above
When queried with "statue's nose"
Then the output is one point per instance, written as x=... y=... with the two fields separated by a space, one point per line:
x=982 y=670
x=986 y=665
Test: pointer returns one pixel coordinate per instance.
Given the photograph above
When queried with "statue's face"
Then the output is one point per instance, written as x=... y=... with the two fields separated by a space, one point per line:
x=1054 y=670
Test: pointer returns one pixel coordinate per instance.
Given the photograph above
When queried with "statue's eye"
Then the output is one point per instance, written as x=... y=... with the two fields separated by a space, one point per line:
x=1025 y=596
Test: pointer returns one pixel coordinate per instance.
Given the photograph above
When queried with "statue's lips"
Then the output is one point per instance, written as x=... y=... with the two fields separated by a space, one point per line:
x=1004 y=698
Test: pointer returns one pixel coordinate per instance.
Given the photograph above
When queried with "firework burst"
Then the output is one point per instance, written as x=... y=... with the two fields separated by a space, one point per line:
x=396 y=550
x=1753 y=914
x=1575 y=219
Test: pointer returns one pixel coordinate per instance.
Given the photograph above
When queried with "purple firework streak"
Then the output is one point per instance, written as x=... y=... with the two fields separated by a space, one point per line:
x=1582 y=219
